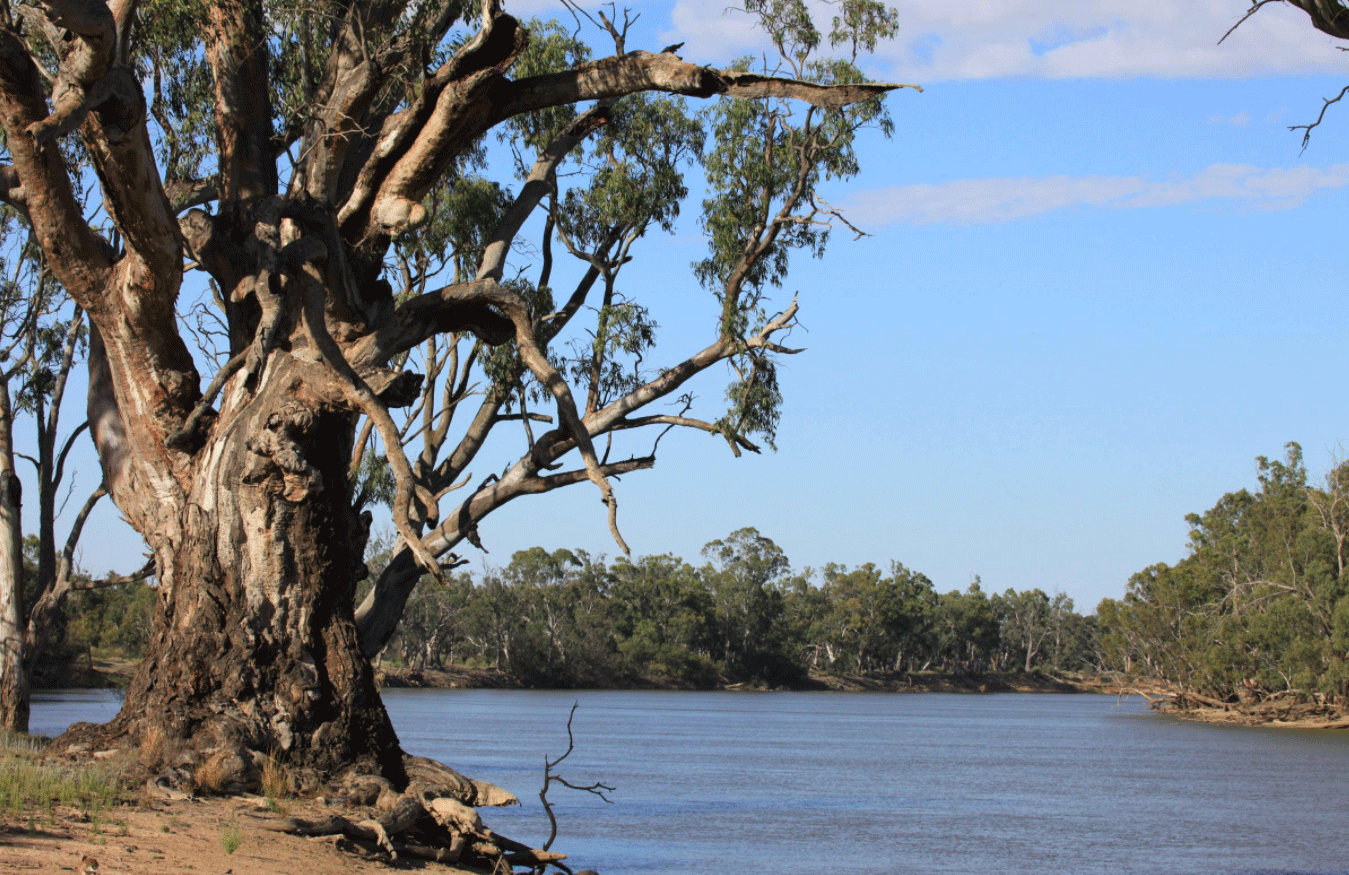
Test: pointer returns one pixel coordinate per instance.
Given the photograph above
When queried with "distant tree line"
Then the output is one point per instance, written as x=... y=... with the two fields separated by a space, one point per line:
x=570 y=619
x=1259 y=609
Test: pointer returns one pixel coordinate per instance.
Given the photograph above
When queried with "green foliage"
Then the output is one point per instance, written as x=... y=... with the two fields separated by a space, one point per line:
x=502 y=364
x=1258 y=606
x=375 y=482
x=552 y=49
x=635 y=171
x=170 y=58
x=230 y=838
x=747 y=577
x=762 y=182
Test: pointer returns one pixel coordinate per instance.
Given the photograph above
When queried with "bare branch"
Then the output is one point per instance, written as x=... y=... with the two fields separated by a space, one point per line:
x=1255 y=7
x=598 y=788
x=539 y=183
x=737 y=441
x=644 y=71
x=1307 y=128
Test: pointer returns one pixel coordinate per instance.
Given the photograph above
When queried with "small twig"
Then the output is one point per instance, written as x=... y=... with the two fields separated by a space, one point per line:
x=1255 y=7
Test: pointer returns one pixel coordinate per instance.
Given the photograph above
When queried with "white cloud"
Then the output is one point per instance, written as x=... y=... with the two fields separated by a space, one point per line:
x=972 y=39
x=994 y=201
x=1239 y=120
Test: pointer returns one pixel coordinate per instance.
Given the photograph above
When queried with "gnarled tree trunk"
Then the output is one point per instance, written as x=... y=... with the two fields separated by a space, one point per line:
x=254 y=643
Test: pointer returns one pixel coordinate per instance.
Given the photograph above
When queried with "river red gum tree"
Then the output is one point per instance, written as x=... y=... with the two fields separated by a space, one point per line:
x=241 y=488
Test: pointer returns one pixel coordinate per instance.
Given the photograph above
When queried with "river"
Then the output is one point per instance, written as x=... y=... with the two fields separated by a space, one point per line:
x=865 y=784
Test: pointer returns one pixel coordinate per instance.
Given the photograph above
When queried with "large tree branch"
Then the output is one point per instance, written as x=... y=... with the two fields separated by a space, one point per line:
x=540 y=182
x=458 y=307
x=378 y=615
x=85 y=62
x=40 y=181
x=91 y=86
x=462 y=306
x=415 y=145
x=236 y=47
x=1328 y=16
x=346 y=115
x=644 y=71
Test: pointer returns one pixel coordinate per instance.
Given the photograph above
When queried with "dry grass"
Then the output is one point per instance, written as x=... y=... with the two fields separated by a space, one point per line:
x=157 y=748
x=213 y=773
x=276 y=784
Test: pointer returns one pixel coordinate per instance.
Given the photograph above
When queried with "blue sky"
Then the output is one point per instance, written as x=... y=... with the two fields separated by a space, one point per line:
x=1103 y=277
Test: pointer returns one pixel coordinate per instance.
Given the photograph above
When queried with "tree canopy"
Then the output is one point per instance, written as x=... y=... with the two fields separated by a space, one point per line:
x=1259 y=609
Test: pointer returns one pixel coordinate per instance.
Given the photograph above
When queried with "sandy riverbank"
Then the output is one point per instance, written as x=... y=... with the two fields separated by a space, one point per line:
x=186 y=838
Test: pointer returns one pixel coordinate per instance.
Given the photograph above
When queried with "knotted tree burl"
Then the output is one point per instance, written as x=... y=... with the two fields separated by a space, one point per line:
x=285 y=149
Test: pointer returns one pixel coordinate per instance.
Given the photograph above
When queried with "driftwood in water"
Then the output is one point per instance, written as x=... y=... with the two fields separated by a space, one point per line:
x=1282 y=706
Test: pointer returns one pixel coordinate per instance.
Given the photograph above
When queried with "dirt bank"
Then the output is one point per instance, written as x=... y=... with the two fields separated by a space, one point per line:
x=201 y=837
x=924 y=682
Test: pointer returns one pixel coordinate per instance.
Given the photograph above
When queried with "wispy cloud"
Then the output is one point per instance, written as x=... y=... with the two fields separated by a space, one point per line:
x=994 y=201
x=1239 y=120
x=974 y=39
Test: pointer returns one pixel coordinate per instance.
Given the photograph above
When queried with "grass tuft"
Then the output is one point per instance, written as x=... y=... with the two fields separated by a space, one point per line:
x=229 y=838
x=212 y=774
x=276 y=784
x=30 y=784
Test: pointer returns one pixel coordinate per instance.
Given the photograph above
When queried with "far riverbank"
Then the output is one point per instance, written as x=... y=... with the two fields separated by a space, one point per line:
x=97 y=673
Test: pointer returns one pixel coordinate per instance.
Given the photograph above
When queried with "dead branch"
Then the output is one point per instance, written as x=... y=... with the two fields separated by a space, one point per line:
x=597 y=789
x=1307 y=128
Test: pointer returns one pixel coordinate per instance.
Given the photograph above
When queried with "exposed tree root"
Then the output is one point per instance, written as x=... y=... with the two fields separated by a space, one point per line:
x=435 y=817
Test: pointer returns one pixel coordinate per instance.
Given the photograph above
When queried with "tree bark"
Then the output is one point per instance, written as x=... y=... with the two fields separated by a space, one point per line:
x=14 y=703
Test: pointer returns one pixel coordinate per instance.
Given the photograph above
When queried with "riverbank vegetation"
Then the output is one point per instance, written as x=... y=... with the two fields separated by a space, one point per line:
x=1254 y=622
x=567 y=618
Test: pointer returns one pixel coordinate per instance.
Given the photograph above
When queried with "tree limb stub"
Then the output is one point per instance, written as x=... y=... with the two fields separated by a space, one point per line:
x=1328 y=16
x=81 y=84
